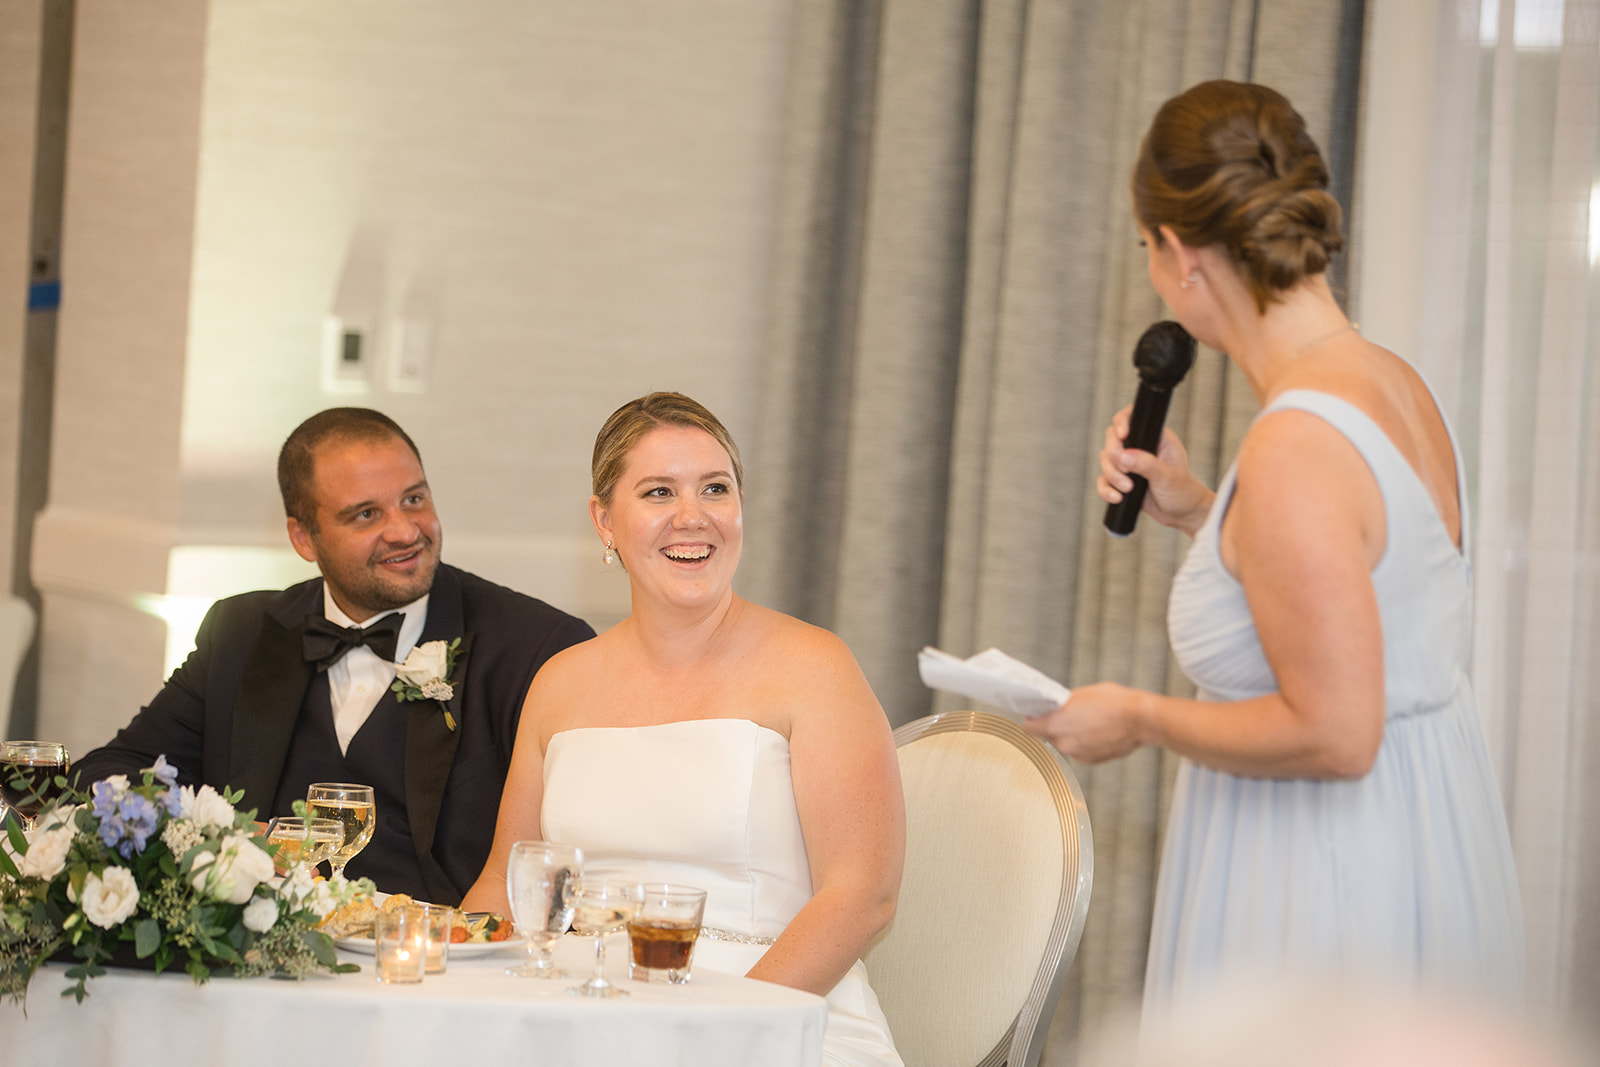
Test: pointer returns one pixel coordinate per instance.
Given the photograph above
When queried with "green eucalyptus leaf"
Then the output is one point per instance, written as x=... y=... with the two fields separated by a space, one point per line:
x=146 y=937
x=321 y=946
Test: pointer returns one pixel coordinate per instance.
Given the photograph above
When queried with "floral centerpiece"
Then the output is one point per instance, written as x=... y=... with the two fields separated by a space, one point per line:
x=173 y=872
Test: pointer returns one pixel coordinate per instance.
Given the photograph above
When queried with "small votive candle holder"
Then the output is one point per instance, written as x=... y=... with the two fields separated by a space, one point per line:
x=400 y=939
x=437 y=922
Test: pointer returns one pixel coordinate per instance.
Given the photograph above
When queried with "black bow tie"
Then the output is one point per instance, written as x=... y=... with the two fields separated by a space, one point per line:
x=325 y=643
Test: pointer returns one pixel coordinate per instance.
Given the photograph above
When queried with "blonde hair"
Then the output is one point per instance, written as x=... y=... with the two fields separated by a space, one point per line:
x=638 y=417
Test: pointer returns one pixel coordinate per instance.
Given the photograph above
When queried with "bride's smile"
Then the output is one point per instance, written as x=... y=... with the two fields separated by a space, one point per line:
x=676 y=517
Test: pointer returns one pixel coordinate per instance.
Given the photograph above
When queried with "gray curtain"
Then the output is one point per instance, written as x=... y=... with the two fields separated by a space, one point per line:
x=958 y=288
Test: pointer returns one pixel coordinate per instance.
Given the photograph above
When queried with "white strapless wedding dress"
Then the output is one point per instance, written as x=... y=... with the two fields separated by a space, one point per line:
x=709 y=803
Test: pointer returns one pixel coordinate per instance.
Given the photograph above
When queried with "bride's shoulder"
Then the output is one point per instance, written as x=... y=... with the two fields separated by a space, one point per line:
x=794 y=643
x=776 y=626
x=576 y=663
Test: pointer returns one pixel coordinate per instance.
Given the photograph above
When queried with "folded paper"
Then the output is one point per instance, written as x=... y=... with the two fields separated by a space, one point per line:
x=994 y=678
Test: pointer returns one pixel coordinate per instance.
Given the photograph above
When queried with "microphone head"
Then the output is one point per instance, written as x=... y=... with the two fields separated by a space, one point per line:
x=1164 y=354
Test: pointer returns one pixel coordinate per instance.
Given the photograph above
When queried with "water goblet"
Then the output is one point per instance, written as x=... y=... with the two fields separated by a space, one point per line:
x=28 y=777
x=601 y=909
x=353 y=807
x=308 y=841
x=542 y=881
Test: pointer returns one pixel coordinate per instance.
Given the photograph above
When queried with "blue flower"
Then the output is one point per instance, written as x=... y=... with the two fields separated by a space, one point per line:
x=106 y=811
x=165 y=772
x=139 y=817
x=105 y=800
x=110 y=830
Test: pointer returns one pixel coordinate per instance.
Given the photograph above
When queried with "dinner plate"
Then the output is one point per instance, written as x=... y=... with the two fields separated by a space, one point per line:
x=459 y=950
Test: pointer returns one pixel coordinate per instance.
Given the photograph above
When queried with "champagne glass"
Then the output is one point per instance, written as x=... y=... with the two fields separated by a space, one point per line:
x=353 y=807
x=28 y=777
x=308 y=841
x=601 y=909
x=542 y=881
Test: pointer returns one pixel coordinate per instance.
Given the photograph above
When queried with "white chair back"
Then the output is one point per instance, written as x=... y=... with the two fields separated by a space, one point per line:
x=16 y=633
x=999 y=865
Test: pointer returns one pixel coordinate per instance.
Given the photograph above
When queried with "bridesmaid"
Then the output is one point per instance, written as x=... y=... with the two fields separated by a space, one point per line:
x=1335 y=810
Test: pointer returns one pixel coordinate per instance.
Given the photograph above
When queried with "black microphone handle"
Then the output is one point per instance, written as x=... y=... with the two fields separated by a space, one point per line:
x=1144 y=433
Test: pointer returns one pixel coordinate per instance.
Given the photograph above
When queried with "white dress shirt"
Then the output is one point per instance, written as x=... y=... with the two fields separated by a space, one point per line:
x=358 y=681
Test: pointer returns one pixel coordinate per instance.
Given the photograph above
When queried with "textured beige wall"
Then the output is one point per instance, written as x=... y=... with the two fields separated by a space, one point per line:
x=575 y=199
x=19 y=87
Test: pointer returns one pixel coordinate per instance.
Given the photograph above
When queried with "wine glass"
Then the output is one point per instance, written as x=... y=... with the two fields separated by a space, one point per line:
x=29 y=773
x=353 y=807
x=602 y=908
x=308 y=841
x=542 y=881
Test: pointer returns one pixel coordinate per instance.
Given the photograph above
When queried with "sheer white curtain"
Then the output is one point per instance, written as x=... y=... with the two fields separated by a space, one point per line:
x=1508 y=290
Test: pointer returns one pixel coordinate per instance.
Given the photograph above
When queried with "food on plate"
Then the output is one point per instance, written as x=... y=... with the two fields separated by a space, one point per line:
x=356 y=918
x=479 y=927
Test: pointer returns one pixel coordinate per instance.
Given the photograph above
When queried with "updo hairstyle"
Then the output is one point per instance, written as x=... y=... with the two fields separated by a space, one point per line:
x=1231 y=164
x=638 y=417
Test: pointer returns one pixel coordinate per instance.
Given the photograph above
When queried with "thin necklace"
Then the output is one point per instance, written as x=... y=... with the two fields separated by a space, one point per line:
x=1303 y=349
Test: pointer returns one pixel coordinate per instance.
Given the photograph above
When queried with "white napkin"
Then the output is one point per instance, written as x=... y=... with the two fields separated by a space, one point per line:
x=993 y=678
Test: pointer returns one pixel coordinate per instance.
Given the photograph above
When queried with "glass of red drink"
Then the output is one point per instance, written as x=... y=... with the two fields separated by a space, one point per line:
x=662 y=932
x=32 y=774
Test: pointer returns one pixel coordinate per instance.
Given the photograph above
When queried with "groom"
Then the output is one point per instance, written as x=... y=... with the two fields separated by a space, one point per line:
x=288 y=688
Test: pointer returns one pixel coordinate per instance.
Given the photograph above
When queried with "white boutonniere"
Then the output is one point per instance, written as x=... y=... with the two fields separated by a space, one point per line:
x=429 y=674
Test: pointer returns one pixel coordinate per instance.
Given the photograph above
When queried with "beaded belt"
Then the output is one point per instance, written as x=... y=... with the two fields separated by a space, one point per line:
x=718 y=934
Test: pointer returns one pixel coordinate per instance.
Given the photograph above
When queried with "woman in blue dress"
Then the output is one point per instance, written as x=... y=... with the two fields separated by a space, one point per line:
x=1336 y=812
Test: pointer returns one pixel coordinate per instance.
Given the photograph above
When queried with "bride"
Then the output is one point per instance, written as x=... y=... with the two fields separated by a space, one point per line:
x=710 y=741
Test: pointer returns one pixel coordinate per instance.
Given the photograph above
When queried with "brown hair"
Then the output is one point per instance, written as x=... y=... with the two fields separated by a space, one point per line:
x=638 y=417
x=297 y=458
x=1231 y=164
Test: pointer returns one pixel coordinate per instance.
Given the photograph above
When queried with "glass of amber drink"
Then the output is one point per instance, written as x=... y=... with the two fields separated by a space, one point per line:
x=661 y=934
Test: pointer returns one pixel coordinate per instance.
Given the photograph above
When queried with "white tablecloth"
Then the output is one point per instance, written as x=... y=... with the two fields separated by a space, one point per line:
x=473 y=1016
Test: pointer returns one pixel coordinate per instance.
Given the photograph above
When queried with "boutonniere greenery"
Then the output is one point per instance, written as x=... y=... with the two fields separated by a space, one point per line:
x=429 y=674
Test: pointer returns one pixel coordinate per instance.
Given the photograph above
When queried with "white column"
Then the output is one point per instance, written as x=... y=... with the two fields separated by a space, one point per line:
x=101 y=546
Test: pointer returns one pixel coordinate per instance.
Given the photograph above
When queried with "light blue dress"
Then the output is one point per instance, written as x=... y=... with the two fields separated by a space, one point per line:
x=1405 y=874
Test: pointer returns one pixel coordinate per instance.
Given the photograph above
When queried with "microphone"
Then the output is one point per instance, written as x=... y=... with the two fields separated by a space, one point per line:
x=1164 y=354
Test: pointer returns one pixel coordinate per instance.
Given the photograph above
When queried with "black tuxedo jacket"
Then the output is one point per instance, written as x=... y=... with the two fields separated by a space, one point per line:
x=226 y=717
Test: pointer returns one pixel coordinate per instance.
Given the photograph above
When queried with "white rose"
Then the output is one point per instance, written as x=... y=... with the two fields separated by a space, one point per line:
x=65 y=816
x=425 y=663
x=233 y=871
x=110 y=898
x=261 y=914
x=118 y=783
x=47 y=855
x=206 y=807
x=253 y=861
